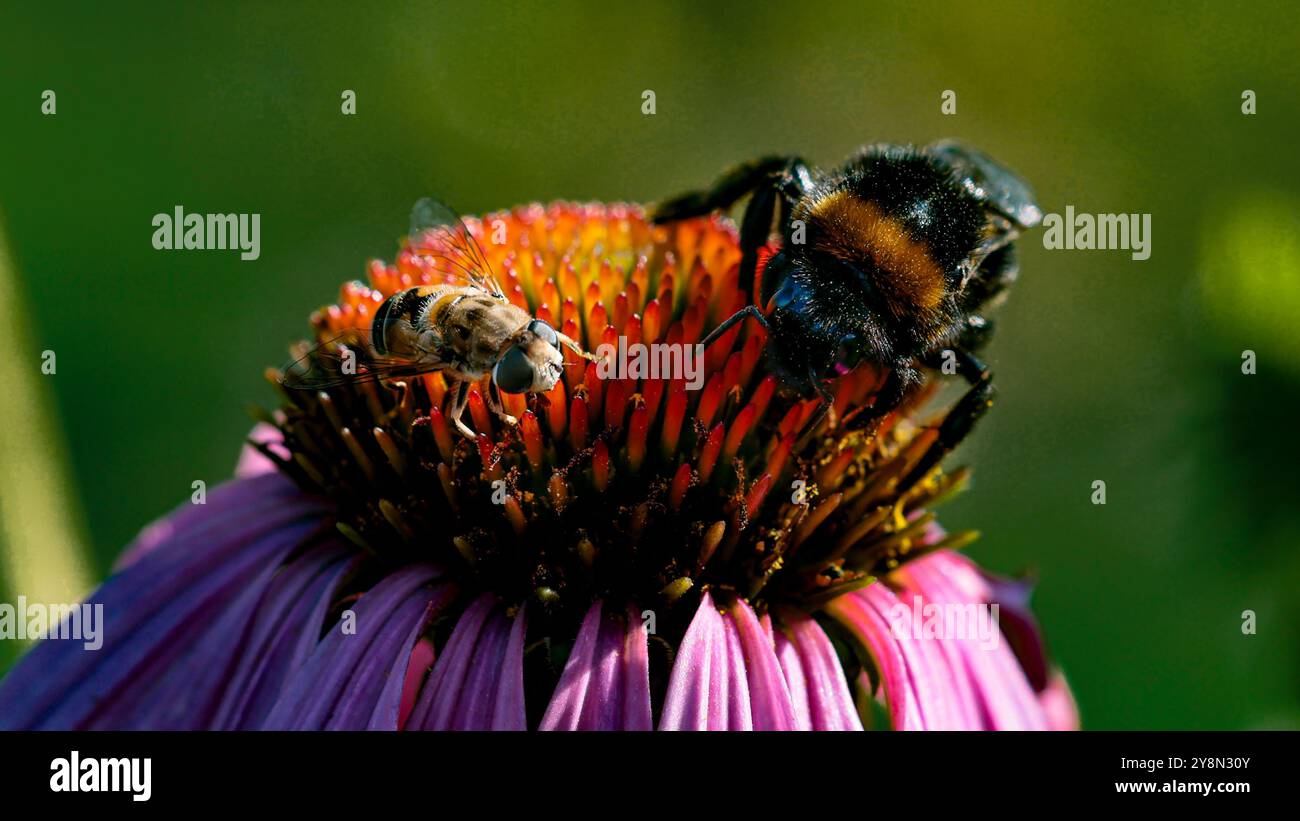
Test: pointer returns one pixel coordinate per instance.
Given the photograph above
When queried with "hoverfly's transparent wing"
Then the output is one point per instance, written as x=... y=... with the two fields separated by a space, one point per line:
x=438 y=232
x=347 y=359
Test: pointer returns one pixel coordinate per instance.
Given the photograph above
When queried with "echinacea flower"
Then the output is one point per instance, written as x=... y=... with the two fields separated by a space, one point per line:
x=633 y=554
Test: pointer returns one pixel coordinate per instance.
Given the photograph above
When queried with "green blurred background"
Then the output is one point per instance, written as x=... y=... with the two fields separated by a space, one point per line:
x=1109 y=368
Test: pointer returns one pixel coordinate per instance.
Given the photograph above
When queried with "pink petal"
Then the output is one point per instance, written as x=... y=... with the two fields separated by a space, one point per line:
x=1006 y=699
x=422 y=658
x=697 y=691
x=769 y=697
x=818 y=687
x=726 y=675
x=1058 y=704
x=606 y=681
x=856 y=612
x=252 y=462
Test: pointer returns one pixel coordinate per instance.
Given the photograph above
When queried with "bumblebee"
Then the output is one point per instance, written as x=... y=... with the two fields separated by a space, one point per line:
x=891 y=259
x=464 y=328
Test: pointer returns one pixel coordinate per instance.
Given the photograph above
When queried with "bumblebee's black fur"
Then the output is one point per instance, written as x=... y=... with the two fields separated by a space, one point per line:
x=901 y=249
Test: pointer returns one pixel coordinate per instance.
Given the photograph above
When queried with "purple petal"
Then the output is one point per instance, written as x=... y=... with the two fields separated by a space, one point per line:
x=795 y=681
x=154 y=609
x=450 y=669
x=226 y=506
x=289 y=624
x=966 y=712
x=477 y=683
x=951 y=682
x=422 y=658
x=606 y=681
x=342 y=682
x=933 y=681
x=731 y=669
x=384 y=715
x=185 y=692
x=510 y=710
x=1014 y=616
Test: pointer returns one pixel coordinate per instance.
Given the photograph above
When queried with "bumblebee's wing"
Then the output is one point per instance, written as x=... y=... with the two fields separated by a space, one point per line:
x=437 y=231
x=1000 y=188
x=1008 y=199
x=346 y=359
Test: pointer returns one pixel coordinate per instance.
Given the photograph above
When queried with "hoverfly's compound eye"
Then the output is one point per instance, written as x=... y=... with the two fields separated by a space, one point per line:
x=847 y=356
x=513 y=373
x=544 y=332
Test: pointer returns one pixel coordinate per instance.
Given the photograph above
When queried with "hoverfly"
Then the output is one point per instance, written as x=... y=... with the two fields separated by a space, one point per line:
x=464 y=328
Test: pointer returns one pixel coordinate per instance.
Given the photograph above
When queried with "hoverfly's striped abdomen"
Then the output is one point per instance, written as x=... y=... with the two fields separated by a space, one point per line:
x=380 y=324
x=406 y=305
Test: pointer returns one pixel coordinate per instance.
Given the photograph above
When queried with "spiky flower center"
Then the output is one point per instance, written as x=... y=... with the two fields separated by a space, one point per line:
x=636 y=490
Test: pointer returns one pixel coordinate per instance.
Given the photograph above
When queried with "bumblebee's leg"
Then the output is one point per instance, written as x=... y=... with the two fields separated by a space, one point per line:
x=738 y=316
x=784 y=188
x=968 y=410
x=494 y=403
x=771 y=180
x=457 y=408
x=991 y=279
x=954 y=428
x=968 y=365
x=978 y=331
x=901 y=379
x=828 y=401
x=755 y=228
x=735 y=183
x=972 y=368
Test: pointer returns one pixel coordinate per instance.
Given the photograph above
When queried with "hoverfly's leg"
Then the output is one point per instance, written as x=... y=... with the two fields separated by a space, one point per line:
x=494 y=403
x=954 y=428
x=730 y=322
x=457 y=408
